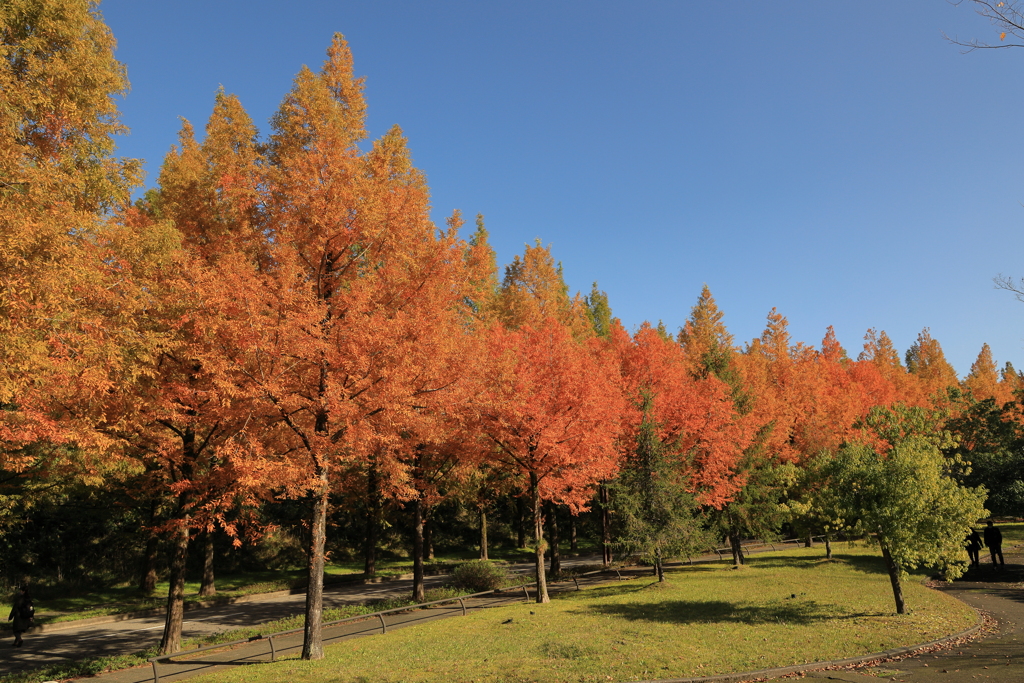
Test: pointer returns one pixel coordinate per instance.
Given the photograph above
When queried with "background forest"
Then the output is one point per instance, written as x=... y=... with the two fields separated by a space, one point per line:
x=274 y=358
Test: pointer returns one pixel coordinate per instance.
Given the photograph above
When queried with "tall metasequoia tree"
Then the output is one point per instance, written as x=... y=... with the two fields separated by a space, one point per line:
x=879 y=370
x=482 y=262
x=983 y=379
x=550 y=412
x=1011 y=380
x=185 y=418
x=927 y=364
x=681 y=434
x=58 y=180
x=779 y=380
x=599 y=312
x=534 y=288
x=328 y=337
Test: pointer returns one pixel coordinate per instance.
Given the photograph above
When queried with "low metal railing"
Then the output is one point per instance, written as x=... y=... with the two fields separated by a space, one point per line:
x=461 y=600
x=380 y=615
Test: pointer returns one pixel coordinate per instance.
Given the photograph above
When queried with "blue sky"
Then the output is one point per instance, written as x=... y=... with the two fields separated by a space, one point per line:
x=839 y=161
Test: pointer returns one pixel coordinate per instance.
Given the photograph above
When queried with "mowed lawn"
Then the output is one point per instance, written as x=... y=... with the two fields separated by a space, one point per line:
x=782 y=608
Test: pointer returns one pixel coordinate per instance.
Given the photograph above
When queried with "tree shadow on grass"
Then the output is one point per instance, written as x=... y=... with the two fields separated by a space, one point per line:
x=720 y=611
x=870 y=564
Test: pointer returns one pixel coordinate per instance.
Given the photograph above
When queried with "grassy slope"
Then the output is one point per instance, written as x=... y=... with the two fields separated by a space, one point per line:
x=705 y=620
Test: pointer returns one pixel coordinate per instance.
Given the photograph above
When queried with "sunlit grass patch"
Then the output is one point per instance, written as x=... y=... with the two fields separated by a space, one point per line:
x=780 y=609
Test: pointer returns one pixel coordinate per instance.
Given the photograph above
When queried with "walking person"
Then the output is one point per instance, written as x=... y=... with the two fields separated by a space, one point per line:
x=973 y=545
x=994 y=543
x=22 y=613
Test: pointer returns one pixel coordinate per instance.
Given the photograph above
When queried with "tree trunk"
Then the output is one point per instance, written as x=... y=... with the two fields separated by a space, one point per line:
x=828 y=546
x=418 y=593
x=606 y=526
x=894 y=579
x=659 y=567
x=808 y=541
x=373 y=505
x=312 y=636
x=147 y=580
x=171 y=642
x=147 y=577
x=206 y=587
x=735 y=542
x=483 y=533
x=556 y=557
x=520 y=522
x=573 y=545
x=538 y=540
x=428 y=535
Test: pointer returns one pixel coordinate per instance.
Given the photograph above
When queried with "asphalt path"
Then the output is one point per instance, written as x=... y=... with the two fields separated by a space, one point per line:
x=133 y=635
x=997 y=655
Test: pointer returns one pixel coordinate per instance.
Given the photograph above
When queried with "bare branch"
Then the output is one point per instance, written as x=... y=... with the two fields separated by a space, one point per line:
x=1007 y=17
x=1010 y=285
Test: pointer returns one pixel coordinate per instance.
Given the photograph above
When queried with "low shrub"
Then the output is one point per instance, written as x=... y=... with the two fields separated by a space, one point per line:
x=479 y=576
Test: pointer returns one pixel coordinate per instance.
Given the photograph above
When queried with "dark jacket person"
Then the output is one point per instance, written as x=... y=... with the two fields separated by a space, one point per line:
x=994 y=543
x=21 y=614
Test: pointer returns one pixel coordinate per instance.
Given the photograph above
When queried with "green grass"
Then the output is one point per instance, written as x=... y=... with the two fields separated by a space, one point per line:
x=1013 y=532
x=782 y=608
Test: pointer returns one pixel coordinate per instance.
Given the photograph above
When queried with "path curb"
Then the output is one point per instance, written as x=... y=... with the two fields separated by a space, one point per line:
x=819 y=666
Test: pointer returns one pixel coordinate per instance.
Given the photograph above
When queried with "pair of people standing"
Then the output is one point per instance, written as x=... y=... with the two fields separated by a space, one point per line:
x=993 y=541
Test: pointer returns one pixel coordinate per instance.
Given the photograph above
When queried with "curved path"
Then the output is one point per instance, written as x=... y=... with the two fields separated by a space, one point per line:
x=997 y=655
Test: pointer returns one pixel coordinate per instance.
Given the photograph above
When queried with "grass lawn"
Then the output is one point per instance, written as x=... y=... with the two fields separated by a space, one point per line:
x=782 y=608
x=1013 y=533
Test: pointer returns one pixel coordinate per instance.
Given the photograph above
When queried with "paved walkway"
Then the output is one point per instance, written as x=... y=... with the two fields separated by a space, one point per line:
x=996 y=656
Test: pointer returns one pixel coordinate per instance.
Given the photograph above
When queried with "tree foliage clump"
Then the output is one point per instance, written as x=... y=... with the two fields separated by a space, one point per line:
x=906 y=500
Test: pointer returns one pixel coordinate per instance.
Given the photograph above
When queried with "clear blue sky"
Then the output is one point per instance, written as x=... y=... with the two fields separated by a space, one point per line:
x=839 y=161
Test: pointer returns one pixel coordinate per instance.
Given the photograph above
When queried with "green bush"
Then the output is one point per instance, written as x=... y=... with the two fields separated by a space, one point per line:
x=479 y=576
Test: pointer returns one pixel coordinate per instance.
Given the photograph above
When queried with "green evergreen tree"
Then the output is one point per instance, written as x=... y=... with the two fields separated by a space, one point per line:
x=656 y=517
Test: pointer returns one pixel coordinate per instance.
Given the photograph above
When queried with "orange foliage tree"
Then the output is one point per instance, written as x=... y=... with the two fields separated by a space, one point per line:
x=549 y=411
x=330 y=337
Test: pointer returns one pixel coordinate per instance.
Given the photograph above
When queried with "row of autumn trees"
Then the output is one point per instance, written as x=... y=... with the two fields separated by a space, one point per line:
x=279 y=318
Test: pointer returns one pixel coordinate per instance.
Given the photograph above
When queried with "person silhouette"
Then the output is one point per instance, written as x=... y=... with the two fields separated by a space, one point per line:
x=973 y=545
x=994 y=543
x=22 y=613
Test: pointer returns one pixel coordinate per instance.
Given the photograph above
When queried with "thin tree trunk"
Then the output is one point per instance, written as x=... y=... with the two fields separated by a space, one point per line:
x=428 y=535
x=828 y=546
x=418 y=593
x=894 y=579
x=312 y=636
x=147 y=582
x=373 y=504
x=556 y=557
x=735 y=542
x=520 y=522
x=171 y=641
x=573 y=545
x=147 y=576
x=659 y=567
x=606 y=526
x=483 y=533
x=538 y=540
x=207 y=588
x=808 y=541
